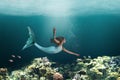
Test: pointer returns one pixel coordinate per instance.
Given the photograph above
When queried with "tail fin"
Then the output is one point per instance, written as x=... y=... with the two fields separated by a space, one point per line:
x=31 y=39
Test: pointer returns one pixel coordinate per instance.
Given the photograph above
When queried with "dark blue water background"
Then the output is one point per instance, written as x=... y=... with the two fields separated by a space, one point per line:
x=93 y=35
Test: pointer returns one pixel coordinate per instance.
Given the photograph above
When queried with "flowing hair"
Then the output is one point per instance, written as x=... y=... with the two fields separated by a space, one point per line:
x=60 y=38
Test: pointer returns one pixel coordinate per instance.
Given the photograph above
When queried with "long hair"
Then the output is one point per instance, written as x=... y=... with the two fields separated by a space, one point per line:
x=60 y=38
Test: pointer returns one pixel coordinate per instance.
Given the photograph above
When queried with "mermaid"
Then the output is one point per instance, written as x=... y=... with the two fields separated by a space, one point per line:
x=59 y=41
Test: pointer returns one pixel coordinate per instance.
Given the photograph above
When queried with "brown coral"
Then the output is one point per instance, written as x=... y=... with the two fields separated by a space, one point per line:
x=3 y=71
x=57 y=76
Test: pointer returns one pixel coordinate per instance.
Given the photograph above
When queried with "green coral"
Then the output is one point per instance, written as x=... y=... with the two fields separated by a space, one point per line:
x=113 y=76
x=37 y=70
x=84 y=69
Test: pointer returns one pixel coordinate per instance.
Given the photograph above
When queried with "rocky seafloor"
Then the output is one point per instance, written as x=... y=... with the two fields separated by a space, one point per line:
x=100 y=68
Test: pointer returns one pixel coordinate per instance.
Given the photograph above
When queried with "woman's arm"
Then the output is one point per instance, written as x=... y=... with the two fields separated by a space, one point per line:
x=69 y=52
x=56 y=41
x=54 y=33
x=54 y=36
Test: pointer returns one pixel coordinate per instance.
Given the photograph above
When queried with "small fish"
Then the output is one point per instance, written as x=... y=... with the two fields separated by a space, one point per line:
x=13 y=56
x=19 y=57
x=10 y=60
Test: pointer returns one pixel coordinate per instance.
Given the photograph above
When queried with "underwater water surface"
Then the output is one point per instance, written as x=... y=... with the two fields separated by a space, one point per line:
x=92 y=35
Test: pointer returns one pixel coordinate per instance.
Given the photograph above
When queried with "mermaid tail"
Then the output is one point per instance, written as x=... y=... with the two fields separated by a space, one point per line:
x=50 y=49
x=31 y=39
x=31 y=42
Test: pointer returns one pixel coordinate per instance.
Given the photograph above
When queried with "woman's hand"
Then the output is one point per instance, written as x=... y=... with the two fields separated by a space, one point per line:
x=54 y=30
x=70 y=52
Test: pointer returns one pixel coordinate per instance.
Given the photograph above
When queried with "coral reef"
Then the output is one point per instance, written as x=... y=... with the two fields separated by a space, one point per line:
x=3 y=74
x=100 y=68
x=40 y=69
x=57 y=76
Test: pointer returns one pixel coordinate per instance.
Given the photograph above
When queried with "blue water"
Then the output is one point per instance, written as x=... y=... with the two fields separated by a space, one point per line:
x=93 y=35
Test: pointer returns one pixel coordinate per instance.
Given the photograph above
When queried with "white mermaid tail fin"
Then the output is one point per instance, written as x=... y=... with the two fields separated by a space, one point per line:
x=31 y=39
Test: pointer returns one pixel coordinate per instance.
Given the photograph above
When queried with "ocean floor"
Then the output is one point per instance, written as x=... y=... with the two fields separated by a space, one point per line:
x=100 y=68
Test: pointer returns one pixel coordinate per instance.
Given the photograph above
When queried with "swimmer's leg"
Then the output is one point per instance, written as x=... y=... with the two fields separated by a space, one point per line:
x=31 y=39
